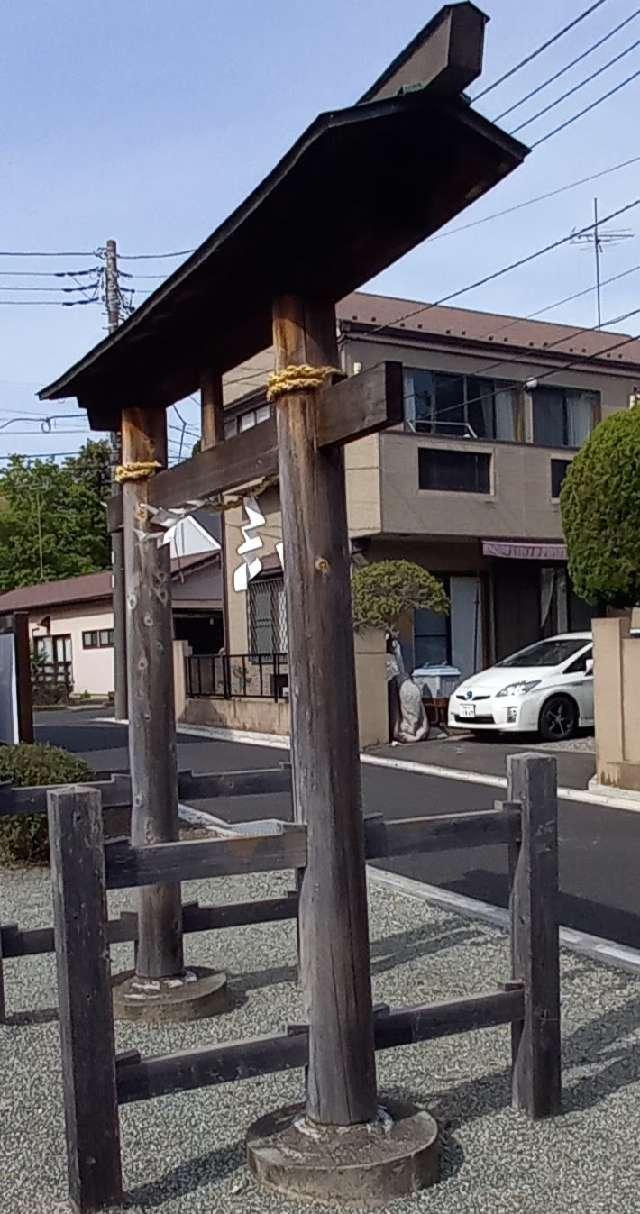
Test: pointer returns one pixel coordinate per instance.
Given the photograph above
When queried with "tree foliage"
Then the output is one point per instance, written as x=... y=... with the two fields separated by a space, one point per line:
x=384 y=590
x=52 y=517
x=600 y=503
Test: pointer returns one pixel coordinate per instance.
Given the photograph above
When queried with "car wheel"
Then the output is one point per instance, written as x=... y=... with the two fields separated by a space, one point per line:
x=558 y=719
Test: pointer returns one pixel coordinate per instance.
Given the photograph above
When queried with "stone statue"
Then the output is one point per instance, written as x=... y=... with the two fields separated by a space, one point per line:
x=409 y=721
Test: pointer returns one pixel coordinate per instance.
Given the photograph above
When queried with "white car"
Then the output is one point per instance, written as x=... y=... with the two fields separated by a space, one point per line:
x=546 y=688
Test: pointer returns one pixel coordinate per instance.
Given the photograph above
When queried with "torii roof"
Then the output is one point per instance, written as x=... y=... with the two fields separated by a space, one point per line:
x=356 y=191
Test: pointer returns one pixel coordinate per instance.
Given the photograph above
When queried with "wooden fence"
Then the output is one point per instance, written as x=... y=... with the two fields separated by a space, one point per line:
x=115 y=793
x=84 y=867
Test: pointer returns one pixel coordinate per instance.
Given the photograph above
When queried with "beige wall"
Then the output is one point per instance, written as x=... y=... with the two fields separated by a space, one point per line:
x=614 y=388
x=617 y=701
x=266 y=716
x=92 y=668
x=519 y=504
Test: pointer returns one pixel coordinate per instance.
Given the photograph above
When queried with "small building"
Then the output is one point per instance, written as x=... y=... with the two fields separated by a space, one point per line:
x=71 y=620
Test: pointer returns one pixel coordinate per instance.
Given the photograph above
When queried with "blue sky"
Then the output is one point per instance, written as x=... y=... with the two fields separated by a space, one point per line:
x=149 y=120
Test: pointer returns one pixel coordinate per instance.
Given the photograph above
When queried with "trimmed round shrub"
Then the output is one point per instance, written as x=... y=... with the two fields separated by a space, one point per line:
x=24 y=838
x=600 y=503
x=384 y=590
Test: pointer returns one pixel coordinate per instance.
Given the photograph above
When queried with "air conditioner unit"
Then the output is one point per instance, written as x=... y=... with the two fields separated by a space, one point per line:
x=439 y=682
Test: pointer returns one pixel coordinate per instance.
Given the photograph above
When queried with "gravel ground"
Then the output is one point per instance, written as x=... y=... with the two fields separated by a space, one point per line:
x=185 y=1152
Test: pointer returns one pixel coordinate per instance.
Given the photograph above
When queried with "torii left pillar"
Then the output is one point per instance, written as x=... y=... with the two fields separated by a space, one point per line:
x=161 y=988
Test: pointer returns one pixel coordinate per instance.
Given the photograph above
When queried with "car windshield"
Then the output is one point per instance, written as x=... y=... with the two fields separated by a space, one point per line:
x=546 y=653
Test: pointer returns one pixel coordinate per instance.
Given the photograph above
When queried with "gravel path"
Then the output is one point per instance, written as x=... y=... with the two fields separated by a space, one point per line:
x=185 y=1152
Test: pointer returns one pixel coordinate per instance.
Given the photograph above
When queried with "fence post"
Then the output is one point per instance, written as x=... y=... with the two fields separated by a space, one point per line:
x=85 y=1000
x=3 y=1004
x=536 y=1042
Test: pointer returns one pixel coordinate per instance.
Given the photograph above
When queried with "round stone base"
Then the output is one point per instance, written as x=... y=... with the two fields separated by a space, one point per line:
x=198 y=993
x=367 y=1165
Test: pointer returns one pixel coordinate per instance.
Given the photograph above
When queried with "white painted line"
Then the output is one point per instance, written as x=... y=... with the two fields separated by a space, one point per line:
x=198 y=817
x=596 y=948
x=618 y=800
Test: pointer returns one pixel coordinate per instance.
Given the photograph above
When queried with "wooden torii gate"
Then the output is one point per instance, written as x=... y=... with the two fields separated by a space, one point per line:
x=361 y=187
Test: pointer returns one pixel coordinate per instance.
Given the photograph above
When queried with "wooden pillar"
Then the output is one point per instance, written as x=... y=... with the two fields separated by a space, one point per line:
x=152 y=727
x=211 y=409
x=212 y=433
x=536 y=1041
x=333 y=923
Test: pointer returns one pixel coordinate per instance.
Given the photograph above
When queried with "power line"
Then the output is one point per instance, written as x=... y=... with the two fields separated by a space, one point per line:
x=32 y=253
x=538 y=51
x=48 y=273
x=514 y=265
x=90 y=286
x=159 y=256
x=567 y=67
x=528 y=202
x=47 y=303
x=576 y=88
x=586 y=110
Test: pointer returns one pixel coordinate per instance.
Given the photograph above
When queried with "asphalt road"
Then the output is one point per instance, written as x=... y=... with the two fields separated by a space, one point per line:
x=600 y=892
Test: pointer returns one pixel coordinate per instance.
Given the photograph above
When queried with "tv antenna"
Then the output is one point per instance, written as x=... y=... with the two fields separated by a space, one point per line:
x=600 y=238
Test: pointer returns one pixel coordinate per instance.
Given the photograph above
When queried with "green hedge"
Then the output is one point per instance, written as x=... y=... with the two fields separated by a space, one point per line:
x=600 y=504
x=24 y=838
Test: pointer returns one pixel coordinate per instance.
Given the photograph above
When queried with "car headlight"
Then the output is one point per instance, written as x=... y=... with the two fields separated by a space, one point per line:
x=519 y=689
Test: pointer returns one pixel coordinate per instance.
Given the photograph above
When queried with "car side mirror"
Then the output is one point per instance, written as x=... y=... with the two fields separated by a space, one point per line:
x=588 y=669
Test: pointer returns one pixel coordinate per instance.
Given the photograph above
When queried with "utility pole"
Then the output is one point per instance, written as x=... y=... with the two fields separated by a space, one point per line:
x=112 y=301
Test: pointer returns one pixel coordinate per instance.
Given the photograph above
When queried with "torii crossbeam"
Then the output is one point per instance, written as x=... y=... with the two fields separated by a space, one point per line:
x=361 y=187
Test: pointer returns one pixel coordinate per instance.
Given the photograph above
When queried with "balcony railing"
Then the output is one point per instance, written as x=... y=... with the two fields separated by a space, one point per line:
x=224 y=676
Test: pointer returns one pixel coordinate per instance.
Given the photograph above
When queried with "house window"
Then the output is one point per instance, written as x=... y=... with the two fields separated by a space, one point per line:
x=563 y=417
x=460 y=471
x=469 y=406
x=559 y=468
x=432 y=638
x=253 y=417
x=56 y=649
x=267 y=616
x=231 y=427
x=101 y=638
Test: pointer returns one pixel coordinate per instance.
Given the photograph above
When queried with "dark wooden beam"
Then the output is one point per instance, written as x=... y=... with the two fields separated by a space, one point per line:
x=446 y=56
x=441 y=832
x=211 y=410
x=84 y=991
x=533 y=903
x=115 y=793
x=129 y=866
x=35 y=941
x=350 y=409
x=144 y=1078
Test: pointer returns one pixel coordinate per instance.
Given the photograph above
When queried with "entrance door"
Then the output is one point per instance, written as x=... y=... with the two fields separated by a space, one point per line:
x=516 y=591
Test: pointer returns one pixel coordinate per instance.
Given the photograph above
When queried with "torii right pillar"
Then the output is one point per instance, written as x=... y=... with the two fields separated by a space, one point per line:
x=346 y=1143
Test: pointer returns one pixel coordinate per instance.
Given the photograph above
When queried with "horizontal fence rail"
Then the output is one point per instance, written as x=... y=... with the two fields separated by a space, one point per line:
x=128 y=866
x=141 y=1078
x=115 y=792
x=29 y=942
x=263 y=676
x=273 y=845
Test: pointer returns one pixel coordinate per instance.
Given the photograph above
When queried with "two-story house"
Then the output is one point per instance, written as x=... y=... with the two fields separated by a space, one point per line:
x=495 y=409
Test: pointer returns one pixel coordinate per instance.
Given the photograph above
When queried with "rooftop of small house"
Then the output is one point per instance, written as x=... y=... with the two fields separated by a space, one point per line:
x=89 y=587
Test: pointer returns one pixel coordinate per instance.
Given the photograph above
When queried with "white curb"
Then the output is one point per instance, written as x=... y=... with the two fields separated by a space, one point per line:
x=595 y=948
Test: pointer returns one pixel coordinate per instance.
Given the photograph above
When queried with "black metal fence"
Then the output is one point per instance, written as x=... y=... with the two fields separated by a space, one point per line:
x=51 y=682
x=224 y=676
